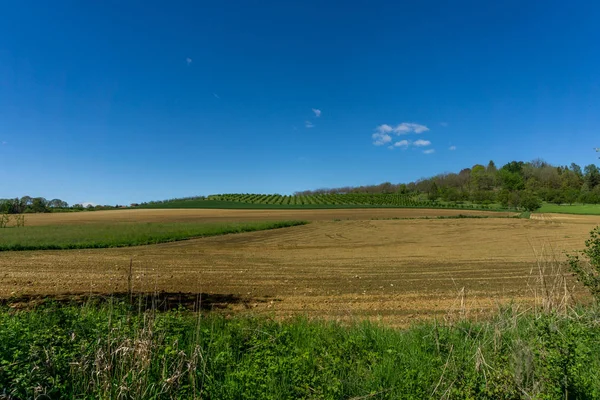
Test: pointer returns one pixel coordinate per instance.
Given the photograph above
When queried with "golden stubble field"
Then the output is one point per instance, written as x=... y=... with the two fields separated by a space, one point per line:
x=345 y=264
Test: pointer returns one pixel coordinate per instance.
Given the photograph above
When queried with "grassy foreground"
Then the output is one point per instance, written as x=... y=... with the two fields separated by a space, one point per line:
x=111 y=351
x=85 y=236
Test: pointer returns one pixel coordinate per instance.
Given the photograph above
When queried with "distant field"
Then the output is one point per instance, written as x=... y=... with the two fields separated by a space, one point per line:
x=102 y=235
x=219 y=216
x=351 y=200
x=583 y=209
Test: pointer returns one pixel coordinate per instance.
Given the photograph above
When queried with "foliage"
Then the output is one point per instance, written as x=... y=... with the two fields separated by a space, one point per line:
x=4 y=220
x=112 y=351
x=54 y=237
x=587 y=271
x=530 y=201
x=28 y=204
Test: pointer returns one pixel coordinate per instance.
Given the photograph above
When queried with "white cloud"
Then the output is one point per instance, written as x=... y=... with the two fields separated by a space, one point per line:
x=421 y=143
x=188 y=61
x=317 y=112
x=409 y=127
x=402 y=143
x=383 y=135
x=4 y=143
x=216 y=96
x=430 y=151
x=380 y=138
x=452 y=148
x=444 y=124
x=385 y=128
x=308 y=124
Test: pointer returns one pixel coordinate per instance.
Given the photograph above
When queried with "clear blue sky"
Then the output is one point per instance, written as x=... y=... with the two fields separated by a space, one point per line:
x=122 y=101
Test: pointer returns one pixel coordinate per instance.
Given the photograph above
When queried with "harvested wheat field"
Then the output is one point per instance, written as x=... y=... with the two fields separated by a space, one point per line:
x=345 y=264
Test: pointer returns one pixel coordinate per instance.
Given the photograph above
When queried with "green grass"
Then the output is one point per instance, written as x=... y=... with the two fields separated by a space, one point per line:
x=112 y=351
x=583 y=209
x=85 y=236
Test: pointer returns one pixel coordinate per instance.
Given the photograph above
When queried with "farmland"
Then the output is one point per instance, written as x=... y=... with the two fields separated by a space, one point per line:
x=303 y=311
x=387 y=264
x=316 y=201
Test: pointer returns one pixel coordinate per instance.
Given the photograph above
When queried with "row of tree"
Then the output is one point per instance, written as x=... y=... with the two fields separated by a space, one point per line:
x=506 y=185
x=28 y=204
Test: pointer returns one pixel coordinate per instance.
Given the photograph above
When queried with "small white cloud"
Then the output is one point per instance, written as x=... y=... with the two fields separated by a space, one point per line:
x=379 y=138
x=309 y=124
x=421 y=143
x=444 y=124
x=430 y=151
x=188 y=61
x=216 y=96
x=317 y=112
x=452 y=148
x=409 y=127
x=385 y=128
x=402 y=143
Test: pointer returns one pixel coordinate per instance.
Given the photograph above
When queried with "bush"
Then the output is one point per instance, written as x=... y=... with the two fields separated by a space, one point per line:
x=587 y=271
x=530 y=202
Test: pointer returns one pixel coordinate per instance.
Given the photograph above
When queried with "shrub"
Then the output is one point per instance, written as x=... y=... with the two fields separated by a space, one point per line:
x=587 y=271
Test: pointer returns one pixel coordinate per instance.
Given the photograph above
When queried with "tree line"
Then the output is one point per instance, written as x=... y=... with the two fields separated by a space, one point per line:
x=510 y=185
x=28 y=204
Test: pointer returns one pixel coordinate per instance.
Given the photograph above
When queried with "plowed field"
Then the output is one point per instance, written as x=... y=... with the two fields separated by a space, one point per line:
x=343 y=265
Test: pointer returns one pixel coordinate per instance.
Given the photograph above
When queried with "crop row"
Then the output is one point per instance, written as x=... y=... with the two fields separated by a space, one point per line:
x=351 y=199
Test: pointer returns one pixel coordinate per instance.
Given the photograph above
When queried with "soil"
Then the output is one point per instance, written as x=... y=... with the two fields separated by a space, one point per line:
x=344 y=265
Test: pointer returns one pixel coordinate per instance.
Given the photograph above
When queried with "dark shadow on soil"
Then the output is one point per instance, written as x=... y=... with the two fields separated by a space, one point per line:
x=160 y=301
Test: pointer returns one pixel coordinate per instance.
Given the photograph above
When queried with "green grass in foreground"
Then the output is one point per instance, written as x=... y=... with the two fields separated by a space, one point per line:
x=109 y=351
x=85 y=236
x=584 y=209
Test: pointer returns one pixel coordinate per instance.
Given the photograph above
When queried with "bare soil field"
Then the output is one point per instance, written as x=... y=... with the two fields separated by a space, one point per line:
x=211 y=215
x=348 y=268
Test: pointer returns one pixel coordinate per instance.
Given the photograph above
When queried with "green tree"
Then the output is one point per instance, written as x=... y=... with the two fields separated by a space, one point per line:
x=39 y=205
x=577 y=170
x=434 y=192
x=511 y=181
x=592 y=176
x=529 y=201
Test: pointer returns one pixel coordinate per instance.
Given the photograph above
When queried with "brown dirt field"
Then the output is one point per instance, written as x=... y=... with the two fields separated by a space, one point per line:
x=207 y=215
x=395 y=271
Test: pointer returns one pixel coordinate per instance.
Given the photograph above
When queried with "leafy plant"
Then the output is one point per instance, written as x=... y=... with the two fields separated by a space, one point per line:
x=19 y=220
x=4 y=219
x=587 y=271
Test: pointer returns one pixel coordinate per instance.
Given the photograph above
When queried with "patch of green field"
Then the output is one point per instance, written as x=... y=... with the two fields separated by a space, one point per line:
x=113 y=351
x=583 y=209
x=87 y=236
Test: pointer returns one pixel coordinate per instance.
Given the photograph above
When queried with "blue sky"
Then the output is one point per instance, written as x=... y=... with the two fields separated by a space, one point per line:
x=122 y=101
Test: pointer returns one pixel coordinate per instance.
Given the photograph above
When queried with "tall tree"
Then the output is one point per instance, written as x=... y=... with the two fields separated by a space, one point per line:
x=591 y=176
